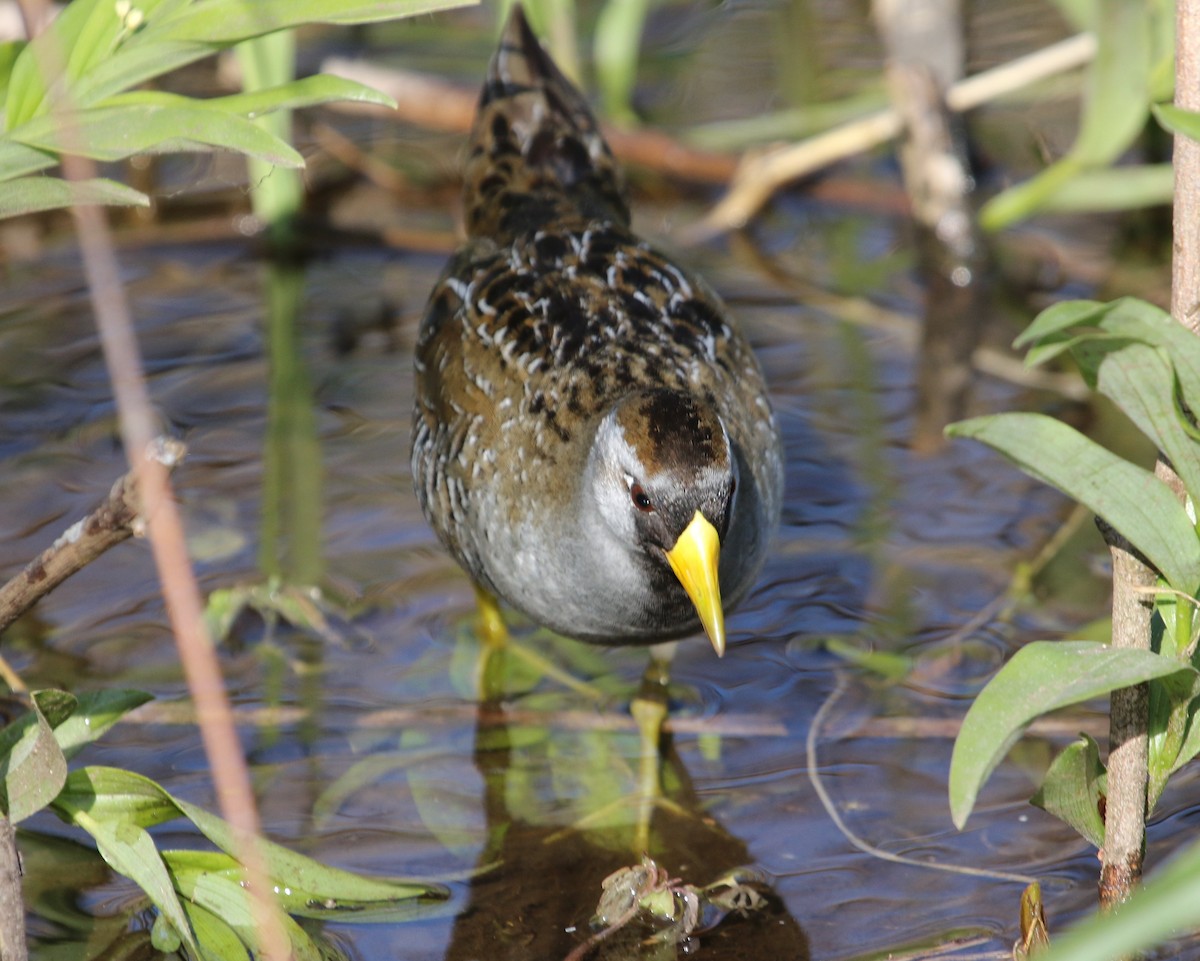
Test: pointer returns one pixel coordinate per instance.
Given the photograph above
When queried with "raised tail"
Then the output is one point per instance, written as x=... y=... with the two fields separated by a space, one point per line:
x=536 y=153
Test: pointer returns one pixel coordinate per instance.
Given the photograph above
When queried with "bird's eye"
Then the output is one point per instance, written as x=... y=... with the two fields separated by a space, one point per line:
x=641 y=500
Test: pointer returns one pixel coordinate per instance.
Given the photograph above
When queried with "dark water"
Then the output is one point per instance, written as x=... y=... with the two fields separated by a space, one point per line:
x=387 y=766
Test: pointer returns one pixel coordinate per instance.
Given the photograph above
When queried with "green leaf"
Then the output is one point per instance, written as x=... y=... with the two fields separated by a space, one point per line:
x=17 y=160
x=1141 y=381
x=134 y=65
x=219 y=891
x=27 y=195
x=218 y=938
x=1177 y=120
x=130 y=851
x=1112 y=189
x=307 y=92
x=1170 y=705
x=1117 y=98
x=109 y=793
x=33 y=768
x=1073 y=789
x=1041 y=677
x=114 y=133
x=1116 y=105
x=320 y=882
x=1061 y=317
x=227 y=22
x=9 y=51
x=1128 y=497
x=96 y=713
x=616 y=39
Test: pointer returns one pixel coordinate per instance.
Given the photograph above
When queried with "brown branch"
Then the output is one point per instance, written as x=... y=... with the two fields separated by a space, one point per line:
x=12 y=905
x=1128 y=741
x=436 y=104
x=117 y=519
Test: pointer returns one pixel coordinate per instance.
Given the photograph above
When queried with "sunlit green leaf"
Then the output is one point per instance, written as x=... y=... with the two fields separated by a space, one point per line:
x=27 y=195
x=96 y=713
x=1041 y=677
x=133 y=65
x=9 y=51
x=110 y=793
x=230 y=21
x=318 y=880
x=18 y=160
x=1073 y=788
x=373 y=901
x=307 y=92
x=131 y=852
x=225 y=897
x=114 y=133
x=218 y=938
x=1128 y=497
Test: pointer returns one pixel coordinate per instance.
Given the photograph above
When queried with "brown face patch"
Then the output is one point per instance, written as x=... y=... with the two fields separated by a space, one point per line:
x=672 y=432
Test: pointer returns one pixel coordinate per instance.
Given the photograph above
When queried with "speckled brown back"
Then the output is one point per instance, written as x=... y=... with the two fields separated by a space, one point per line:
x=535 y=152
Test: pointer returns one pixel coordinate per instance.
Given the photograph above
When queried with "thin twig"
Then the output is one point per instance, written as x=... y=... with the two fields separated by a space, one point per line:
x=117 y=519
x=760 y=175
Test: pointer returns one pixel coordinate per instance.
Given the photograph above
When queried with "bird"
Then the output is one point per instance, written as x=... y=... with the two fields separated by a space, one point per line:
x=592 y=437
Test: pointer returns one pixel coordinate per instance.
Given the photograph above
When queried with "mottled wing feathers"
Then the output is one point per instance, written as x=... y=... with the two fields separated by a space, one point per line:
x=536 y=153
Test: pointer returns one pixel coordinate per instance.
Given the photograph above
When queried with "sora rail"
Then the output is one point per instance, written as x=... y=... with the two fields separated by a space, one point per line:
x=592 y=438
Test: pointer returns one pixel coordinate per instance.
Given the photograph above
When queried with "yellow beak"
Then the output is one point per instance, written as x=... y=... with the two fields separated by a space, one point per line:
x=694 y=561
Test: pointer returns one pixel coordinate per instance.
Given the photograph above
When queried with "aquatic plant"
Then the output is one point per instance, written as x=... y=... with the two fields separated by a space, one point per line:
x=1138 y=357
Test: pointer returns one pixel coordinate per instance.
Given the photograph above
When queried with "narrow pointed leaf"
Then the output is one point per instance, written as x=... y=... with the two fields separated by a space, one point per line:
x=18 y=160
x=1041 y=677
x=306 y=92
x=27 y=195
x=1128 y=497
x=227 y=22
x=321 y=881
x=133 y=65
x=114 y=133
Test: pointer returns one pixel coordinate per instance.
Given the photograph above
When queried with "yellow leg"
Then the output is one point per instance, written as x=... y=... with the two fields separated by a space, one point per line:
x=493 y=636
x=492 y=630
x=649 y=710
